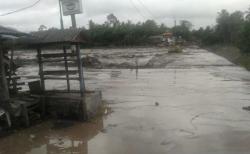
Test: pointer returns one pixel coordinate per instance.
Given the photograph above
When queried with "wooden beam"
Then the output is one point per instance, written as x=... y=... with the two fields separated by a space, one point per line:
x=17 y=89
x=60 y=72
x=13 y=78
x=66 y=68
x=18 y=84
x=80 y=69
x=39 y=52
x=57 y=60
x=57 y=55
x=4 y=90
x=58 y=78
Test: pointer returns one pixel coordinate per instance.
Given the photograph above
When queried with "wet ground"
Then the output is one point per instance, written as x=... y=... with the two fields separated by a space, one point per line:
x=192 y=105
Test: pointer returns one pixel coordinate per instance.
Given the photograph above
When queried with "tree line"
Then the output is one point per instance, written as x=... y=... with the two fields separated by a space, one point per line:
x=230 y=29
x=114 y=32
x=117 y=33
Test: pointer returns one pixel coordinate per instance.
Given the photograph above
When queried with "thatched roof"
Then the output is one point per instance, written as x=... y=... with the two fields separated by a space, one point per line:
x=55 y=36
x=6 y=31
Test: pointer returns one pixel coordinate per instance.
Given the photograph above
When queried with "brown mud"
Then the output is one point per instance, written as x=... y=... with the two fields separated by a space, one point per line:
x=191 y=104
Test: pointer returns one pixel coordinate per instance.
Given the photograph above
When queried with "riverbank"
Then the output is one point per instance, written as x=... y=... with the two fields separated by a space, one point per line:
x=233 y=54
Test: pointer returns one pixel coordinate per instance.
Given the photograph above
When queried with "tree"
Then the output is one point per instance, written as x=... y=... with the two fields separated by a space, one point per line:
x=42 y=28
x=112 y=20
x=235 y=26
x=183 y=30
x=248 y=14
x=223 y=29
x=149 y=27
x=186 y=24
x=244 y=43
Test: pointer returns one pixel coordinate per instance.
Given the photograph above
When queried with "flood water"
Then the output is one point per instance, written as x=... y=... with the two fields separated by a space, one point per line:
x=192 y=105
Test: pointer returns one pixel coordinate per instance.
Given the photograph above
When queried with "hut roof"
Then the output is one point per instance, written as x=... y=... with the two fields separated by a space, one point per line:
x=4 y=31
x=55 y=36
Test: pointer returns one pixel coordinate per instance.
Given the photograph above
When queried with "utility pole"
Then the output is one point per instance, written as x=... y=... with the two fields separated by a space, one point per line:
x=73 y=19
x=79 y=60
x=72 y=7
x=61 y=18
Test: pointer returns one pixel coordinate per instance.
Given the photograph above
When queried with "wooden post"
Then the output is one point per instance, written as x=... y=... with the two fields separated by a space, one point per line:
x=80 y=68
x=79 y=60
x=83 y=112
x=4 y=91
x=39 y=56
x=14 y=83
x=66 y=67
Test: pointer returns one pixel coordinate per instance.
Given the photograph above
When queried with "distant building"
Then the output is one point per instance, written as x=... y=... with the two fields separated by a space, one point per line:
x=164 y=39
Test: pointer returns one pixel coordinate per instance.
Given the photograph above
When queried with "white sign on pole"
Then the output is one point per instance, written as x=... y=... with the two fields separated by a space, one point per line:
x=71 y=7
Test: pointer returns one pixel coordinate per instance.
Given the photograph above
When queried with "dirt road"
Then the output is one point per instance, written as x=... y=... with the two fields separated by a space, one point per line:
x=190 y=105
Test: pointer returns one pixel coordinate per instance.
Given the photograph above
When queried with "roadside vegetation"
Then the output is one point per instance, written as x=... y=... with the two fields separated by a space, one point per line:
x=230 y=37
x=119 y=33
x=231 y=33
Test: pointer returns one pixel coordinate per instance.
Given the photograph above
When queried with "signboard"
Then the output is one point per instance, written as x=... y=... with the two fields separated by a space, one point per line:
x=71 y=7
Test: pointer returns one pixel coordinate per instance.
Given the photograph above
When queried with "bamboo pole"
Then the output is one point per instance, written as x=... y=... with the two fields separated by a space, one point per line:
x=4 y=91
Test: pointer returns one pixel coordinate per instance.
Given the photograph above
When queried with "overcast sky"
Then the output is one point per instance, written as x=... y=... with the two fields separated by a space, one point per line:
x=199 y=12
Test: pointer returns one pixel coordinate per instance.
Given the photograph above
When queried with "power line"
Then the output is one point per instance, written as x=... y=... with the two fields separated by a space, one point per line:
x=22 y=9
x=147 y=9
x=137 y=9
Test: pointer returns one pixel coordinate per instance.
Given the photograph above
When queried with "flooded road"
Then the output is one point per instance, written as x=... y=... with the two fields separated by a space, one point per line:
x=192 y=105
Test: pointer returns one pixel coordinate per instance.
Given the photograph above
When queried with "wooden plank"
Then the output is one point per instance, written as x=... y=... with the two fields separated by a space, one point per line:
x=58 y=78
x=18 y=88
x=57 y=60
x=18 y=84
x=64 y=97
x=57 y=55
x=39 y=52
x=13 y=78
x=60 y=72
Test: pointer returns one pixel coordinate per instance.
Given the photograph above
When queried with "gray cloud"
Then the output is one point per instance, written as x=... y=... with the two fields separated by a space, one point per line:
x=199 y=12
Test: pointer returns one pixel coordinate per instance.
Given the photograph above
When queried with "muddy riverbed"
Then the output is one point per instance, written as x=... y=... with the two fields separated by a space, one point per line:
x=187 y=103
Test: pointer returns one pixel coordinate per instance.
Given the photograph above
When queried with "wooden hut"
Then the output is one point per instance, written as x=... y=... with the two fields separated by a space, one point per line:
x=69 y=40
x=7 y=83
x=63 y=102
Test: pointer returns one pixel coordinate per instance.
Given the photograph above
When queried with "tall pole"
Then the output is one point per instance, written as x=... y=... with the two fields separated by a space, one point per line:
x=61 y=18
x=73 y=19
x=80 y=68
x=79 y=60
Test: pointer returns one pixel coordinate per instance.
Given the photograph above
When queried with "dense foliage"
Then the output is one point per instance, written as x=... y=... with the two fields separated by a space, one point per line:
x=231 y=28
x=114 y=32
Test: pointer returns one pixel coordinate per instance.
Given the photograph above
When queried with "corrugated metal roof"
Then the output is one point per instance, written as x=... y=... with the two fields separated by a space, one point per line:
x=58 y=36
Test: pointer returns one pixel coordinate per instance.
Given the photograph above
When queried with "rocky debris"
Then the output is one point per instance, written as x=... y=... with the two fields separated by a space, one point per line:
x=124 y=59
x=158 y=62
x=175 y=49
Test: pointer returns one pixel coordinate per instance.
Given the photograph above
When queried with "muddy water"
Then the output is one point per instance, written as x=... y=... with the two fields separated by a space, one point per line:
x=192 y=106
